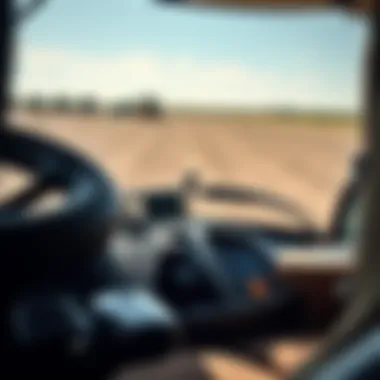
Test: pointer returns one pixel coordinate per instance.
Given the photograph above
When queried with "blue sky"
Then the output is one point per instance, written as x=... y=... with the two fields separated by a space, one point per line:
x=129 y=47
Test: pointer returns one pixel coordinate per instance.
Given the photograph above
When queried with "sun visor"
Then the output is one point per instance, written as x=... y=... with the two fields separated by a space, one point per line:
x=352 y=5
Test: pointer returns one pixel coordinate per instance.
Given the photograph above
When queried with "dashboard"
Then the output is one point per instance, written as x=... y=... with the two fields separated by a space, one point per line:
x=204 y=268
x=201 y=270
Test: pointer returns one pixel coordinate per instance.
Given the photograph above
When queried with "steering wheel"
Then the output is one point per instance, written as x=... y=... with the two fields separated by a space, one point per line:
x=76 y=231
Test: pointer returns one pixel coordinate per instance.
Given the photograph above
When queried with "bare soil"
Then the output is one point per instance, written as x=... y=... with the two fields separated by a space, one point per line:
x=307 y=164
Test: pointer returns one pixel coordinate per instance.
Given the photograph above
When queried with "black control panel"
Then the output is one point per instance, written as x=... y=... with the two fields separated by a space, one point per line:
x=245 y=268
x=246 y=262
x=164 y=205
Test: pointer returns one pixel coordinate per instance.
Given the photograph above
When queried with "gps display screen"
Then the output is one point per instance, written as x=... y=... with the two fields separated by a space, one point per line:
x=164 y=206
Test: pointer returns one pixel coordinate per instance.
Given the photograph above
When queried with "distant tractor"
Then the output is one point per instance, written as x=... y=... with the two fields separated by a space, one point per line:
x=123 y=108
x=147 y=107
x=150 y=108
x=87 y=106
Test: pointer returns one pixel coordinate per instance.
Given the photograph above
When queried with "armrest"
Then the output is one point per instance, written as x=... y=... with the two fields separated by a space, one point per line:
x=334 y=258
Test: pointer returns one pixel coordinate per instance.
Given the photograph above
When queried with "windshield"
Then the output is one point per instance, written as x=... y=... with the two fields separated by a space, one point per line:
x=267 y=101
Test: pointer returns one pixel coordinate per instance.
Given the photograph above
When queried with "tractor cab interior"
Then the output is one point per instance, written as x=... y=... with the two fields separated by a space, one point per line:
x=72 y=305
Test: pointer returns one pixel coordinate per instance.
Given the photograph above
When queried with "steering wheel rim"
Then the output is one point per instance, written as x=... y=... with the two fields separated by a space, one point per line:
x=78 y=230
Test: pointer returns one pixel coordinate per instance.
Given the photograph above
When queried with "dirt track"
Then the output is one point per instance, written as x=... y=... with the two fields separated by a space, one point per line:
x=307 y=164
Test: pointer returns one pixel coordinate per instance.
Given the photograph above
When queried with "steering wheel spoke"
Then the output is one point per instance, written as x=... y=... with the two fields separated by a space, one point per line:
x=27 y=196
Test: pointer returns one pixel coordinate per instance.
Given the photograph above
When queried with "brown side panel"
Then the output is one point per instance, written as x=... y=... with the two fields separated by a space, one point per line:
x=318 y=292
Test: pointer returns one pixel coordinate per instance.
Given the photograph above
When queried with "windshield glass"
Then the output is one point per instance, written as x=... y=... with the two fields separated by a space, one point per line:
x=267 y=101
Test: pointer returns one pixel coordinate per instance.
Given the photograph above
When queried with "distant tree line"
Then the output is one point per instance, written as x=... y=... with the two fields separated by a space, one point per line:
x=149 y=107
